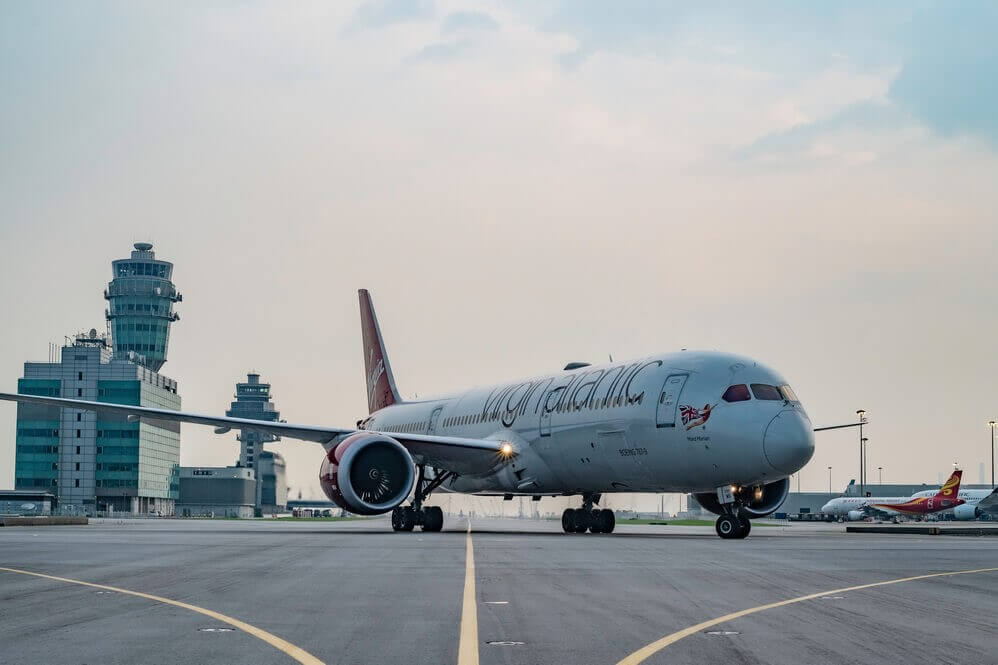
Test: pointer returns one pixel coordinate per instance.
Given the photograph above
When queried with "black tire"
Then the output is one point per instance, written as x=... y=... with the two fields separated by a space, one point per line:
x=583 y=520
x=746 y=526
x=608 y=520
x=407 y=519
x=397 y=518
x=568 y=520
x=595 y=523
x=727 y=526
x=433 y=518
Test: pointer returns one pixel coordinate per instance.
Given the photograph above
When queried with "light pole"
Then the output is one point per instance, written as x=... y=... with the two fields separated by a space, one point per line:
x=861 y=413
x=863 y=443
x=880 y=471
x=829 y=480
x=992 y=423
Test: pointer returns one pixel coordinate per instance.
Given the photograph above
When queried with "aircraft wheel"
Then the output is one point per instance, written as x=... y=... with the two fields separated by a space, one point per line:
x=433 y=518
x=595 y=524
x=407 y=519
x=607 y=520
x=568 y=520
x=727 y=526
x=397 y=518
x=746 y=527
x=583 y=520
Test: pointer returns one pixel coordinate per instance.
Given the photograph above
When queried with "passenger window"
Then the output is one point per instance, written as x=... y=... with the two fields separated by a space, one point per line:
x=736 y=393
x=788 y=394
x=766 y=392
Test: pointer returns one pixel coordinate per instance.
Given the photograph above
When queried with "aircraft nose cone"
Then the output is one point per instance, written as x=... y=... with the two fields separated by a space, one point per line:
x=789 y=441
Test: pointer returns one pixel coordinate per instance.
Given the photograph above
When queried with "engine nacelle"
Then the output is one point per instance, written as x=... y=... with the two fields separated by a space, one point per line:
x=855 y=515
x=367 y=473
x=966 y=512
x=756 y=501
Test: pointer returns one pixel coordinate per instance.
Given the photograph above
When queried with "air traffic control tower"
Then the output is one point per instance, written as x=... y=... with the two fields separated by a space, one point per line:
x=140 y=307
x=253 y=401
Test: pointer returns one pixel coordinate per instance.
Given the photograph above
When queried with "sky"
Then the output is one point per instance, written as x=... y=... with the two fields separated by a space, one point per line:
x=519 y=184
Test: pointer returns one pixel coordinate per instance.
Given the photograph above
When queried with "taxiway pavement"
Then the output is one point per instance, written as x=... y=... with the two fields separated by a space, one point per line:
x=355 y=592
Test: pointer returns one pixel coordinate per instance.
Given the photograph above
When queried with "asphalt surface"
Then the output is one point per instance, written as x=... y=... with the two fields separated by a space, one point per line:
x=354 y=592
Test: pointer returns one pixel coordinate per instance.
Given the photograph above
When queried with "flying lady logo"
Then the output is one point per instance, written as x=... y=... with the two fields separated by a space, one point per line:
x=372 y=379
x=694 y=417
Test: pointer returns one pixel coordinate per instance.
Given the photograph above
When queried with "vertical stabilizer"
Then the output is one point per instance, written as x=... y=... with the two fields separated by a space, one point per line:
x=381 y=390
x=951 y=488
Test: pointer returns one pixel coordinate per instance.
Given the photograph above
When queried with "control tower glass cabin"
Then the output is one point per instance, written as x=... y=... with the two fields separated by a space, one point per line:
x=140 y=309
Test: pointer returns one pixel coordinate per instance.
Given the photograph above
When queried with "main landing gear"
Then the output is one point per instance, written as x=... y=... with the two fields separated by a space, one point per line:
x=580 y=520
x=731 y=525
x=430 y=518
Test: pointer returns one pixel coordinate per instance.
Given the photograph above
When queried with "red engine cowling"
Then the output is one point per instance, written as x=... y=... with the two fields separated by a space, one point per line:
x=367 y=473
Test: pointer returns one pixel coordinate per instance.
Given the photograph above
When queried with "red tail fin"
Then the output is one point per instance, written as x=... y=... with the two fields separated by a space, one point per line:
x=381 y=390
x=951 y=488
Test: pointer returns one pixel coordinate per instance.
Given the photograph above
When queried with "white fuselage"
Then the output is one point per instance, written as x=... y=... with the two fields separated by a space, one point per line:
x=969 y=496
x=658 y=424
x=842 y=505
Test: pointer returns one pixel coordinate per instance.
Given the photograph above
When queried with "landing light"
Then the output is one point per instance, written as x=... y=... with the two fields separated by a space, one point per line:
x=506 y=449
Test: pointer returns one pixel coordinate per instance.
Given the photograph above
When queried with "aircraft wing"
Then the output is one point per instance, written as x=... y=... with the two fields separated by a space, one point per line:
x=458 y=454
x=989 y=504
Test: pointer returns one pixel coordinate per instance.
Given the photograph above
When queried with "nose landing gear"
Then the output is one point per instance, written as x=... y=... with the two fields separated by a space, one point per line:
x=580 y=520
x=732 y=526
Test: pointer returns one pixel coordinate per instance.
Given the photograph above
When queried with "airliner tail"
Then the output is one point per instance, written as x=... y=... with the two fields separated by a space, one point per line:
x=381 y=389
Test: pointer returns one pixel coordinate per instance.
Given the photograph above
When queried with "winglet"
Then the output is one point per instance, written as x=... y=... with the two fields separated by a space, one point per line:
x=381 y=389
x=951 y=488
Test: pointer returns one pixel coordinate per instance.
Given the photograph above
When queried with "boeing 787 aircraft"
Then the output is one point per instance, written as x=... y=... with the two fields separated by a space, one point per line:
x=724 y=427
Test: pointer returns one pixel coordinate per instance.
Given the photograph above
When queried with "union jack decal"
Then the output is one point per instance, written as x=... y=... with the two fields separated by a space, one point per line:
x=692 y=416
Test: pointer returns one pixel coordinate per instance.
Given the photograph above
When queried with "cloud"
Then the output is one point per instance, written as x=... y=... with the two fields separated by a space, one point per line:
x=950 y=79
x=468 y=21
x=440 y=52
x=383 y=13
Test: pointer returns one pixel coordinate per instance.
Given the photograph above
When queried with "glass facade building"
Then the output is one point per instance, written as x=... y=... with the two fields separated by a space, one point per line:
x=140 y=307
x=97 y=462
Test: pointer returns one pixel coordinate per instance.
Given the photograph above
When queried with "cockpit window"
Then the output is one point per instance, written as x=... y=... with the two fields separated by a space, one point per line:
x=788 y=394
x=736 y=393
x=763 y=391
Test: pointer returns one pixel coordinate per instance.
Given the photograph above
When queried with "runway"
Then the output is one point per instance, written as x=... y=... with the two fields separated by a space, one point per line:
x=355 y=592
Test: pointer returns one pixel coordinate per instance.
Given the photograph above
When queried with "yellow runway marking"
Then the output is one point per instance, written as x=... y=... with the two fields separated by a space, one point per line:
x=467 y=650
x=284 y=646
x=645 y=652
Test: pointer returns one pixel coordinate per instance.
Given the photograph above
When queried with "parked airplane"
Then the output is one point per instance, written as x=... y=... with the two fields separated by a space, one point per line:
x=976 y=503
x=724 y=427
x=920 y=504
x=854 y=507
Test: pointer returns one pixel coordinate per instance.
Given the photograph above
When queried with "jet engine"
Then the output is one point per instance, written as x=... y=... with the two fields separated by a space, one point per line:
x=367 y=473
x=966 y=512
x=855 y=515
x=756 y=500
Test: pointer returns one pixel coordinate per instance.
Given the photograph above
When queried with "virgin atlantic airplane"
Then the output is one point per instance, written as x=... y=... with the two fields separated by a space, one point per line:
x=724 y=427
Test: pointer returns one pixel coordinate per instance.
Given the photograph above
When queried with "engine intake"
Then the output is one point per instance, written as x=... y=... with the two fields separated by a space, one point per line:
x=966 y=512
x=756 y=501
x=367 y=473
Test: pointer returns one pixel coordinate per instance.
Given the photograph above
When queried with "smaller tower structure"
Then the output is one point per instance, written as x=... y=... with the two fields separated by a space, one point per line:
x=253 y=402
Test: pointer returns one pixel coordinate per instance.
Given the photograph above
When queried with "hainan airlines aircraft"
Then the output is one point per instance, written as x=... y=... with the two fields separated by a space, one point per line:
x=917 y=505
x=976 y=503
x=724 y=427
